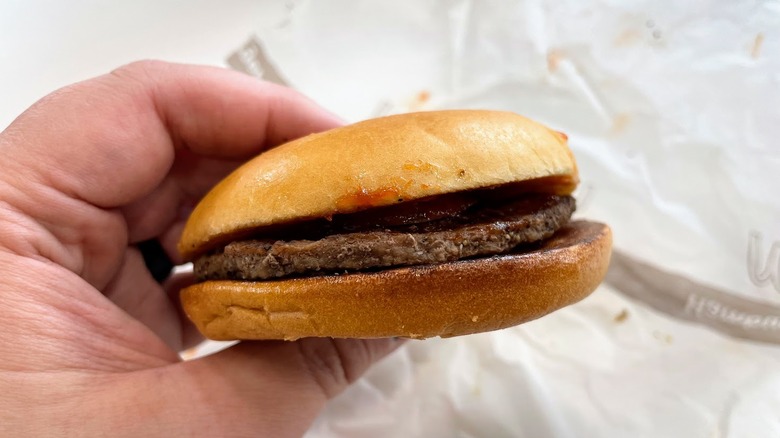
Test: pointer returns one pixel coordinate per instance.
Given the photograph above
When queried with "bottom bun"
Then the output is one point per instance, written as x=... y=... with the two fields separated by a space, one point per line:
x=450 y=299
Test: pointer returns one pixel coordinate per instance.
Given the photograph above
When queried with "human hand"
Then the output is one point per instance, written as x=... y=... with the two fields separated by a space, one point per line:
x=88 y=339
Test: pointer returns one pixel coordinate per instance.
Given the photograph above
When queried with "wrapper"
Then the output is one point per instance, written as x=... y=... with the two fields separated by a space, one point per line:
x=672 y=112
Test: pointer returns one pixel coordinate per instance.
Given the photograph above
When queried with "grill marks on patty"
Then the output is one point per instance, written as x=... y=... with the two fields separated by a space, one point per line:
x=481 y=230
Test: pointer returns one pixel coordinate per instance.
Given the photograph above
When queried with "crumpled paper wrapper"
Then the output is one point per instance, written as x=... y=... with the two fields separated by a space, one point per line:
x=672 y=112
x=606 y=367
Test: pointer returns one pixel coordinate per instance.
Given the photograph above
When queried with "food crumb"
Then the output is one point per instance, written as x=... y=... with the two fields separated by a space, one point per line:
x=475 y=318
x=627 y=37
x=664 y=337
x=619 y=123
x=419 y=100
x=554 y=57
x=621 y=317
x=755 y=52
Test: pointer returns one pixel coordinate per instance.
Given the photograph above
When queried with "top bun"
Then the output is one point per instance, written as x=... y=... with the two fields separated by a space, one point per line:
x=378 y=162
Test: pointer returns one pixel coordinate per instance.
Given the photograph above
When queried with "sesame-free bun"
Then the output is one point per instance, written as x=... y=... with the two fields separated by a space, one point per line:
x=450 y=299
x=378 y=162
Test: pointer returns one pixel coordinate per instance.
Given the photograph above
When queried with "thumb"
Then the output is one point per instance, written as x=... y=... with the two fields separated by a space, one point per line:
x=277 y=388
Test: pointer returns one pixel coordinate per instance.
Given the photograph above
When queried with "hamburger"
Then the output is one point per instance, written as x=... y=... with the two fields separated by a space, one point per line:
x=418 y=225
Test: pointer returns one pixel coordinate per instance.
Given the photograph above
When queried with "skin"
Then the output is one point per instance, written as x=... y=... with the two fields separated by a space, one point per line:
x=89 y=341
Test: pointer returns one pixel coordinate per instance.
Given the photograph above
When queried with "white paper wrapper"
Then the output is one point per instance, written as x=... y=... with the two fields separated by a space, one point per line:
x=672 y=112
x=606 y=367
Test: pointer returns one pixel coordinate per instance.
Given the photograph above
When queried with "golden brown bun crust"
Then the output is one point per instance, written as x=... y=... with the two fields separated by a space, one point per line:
x=443 y=300
x=374 y=163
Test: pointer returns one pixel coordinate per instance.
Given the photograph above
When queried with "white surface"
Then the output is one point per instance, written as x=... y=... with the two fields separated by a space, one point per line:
x=45 y=45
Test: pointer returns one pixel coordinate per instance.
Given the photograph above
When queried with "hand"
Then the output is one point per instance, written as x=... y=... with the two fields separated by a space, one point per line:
x=88 y=339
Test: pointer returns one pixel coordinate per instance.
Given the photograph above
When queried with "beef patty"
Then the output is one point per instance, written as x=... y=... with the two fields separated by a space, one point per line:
x=480 y=230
